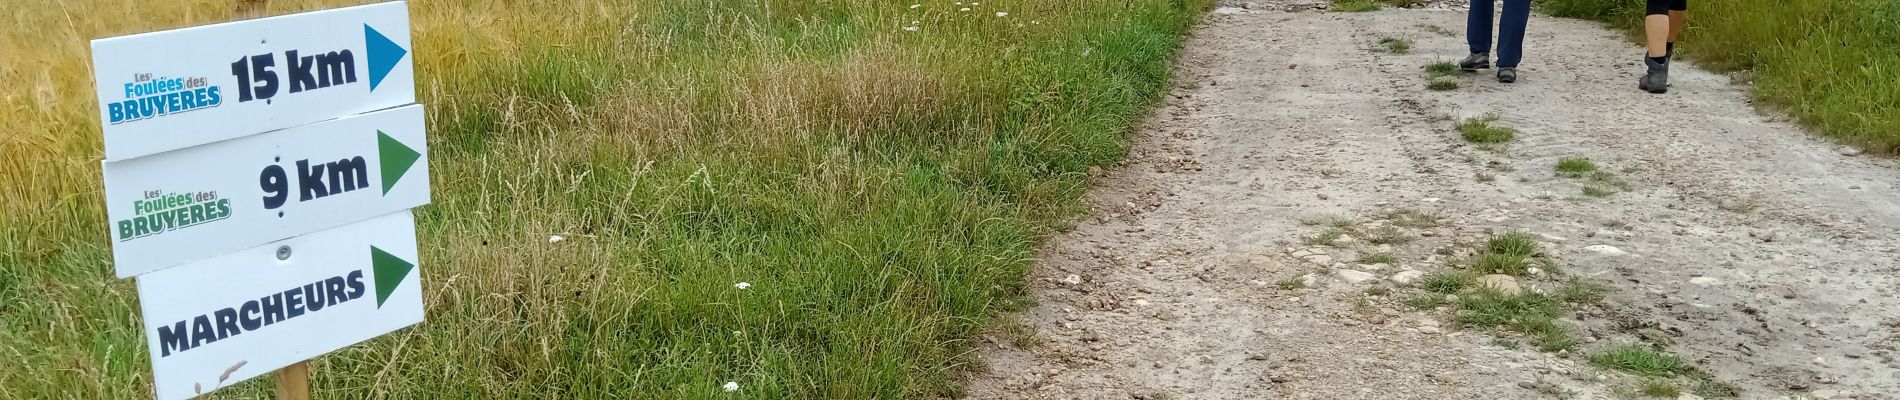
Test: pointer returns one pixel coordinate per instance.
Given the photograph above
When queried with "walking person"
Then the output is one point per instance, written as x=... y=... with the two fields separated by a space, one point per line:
x=1662 y=23
x=1517 y=13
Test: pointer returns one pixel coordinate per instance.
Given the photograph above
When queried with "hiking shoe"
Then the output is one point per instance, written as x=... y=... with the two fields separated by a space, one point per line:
x=1507 y=75
x=1657 y=79
x=1476 y=61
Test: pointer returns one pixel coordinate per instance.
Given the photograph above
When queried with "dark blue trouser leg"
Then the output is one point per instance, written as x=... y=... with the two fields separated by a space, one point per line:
x=1517 y=13
x=1478 y=27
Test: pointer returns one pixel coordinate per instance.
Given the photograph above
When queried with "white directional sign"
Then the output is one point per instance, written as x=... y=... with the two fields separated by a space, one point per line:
x=191 y=204
x=169 y=90
x=222 y=320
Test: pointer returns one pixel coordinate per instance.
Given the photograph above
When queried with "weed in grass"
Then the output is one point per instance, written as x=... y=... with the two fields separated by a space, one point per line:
x=1441 y=68
x=1378 y=258
x=1659 y=388
x=1445 y=282
x=1355 y=5
x=1479 y=130
x=1438 y=30
x=1441 y=84
x=1599 y=190
x=1528 y=312
x=1516 y=244
x=1575 y=166
x=1640 y=359
x=1709 y=388
x=1494 y=263
x=1329 y=237
x=1425 y=301
x=1395 y=45
x=1582 y=292
x=1291 y=283
x=1378 y=291
x=1386 y=235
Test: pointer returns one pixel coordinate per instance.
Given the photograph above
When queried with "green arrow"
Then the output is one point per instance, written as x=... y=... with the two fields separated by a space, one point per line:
x=390 y=271
x=396 y=159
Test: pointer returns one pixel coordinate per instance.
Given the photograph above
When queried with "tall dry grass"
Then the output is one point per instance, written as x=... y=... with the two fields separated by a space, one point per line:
x=880 y=189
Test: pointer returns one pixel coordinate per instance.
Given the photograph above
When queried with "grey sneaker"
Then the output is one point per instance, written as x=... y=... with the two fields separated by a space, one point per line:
x=1476 y=61
x=1657 y=79
x=1507 y=75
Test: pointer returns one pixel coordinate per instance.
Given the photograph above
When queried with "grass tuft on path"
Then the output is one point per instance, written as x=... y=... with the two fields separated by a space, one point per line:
x=1479 y=130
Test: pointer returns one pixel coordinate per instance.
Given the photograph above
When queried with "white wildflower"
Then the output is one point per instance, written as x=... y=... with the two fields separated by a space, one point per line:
x=915 y=6
x=555 y=238
x=910 y=28
x=965 y=9
x=742 y=285
x=731 y=386
x=1002 y=14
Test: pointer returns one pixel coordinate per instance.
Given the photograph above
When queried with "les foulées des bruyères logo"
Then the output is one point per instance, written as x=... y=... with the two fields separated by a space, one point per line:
x=161 y=212
x=148 y=97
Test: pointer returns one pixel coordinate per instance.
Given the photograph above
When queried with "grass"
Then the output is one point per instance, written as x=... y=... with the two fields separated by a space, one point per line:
x=1494 y=263
x=1425 y=301
x=1404 y=3
x=1512 y=244
x=1441 y=68
x=1395 y=45
x=1355 y=5
x=1386 y=235
x=1575 y=166
x=1829 y=63
x=1378 y=291
x=1412 y=218
x=1329 y=237
x=1446 y=282
x=1582 y=292
x=1291 y=283
x=1529 y=313
x=1440 y=84
x=883 y=190
x=1640 y=359
x=1658 y=388
x=1479 y=130
x=1378 y=258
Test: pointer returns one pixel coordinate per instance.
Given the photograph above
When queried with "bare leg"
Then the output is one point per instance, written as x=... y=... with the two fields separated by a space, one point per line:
x=1656 y=29
x=1677 y=20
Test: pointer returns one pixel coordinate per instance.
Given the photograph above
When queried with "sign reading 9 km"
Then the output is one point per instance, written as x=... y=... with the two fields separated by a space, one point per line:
x=170 y=90
x=181 y=206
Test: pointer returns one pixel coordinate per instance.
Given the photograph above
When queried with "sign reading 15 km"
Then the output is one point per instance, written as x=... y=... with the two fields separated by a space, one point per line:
x=168 y=90
x=259 y=177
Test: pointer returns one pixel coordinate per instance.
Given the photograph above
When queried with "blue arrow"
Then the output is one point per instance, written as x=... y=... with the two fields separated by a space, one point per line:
x=383 y=55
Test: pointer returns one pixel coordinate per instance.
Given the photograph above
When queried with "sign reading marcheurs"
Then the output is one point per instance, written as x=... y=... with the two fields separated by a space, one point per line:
x=191 y=204
x=222 y=320
x=175 y=89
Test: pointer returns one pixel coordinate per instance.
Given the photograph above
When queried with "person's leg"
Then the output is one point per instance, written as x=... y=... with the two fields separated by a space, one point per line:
x=1517 y=14
x=1656 y=27
x=1478 y=27
x=1678 y=18
x=1656 y=30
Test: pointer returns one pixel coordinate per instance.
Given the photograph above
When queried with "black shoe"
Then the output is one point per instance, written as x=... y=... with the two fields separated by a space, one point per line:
x=1657 y=79
x=1507 y=75
x=1476 y=61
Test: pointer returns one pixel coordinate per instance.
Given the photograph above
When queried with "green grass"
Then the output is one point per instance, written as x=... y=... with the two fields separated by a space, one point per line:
x=1513 y=244
x=1532 y=314
x=1582 y=292
x=1440 y=84
x=884 y=191
x=1575 y=166
x=1441 y=68
x=1658 y=388
x=1291 y=283
x=1640 y=359
x=1378 y=258
x=1425 y=301
x=1446 y=282
x=1386 y=235
x=1494 y=263
x=1378 y=291
x=1395 y=45
x=1479 y=130
x=1329 y=237
x=1830 y=63
x=1355 y=5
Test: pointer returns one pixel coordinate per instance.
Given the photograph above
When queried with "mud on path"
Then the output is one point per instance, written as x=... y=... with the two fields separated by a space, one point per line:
x=1763 y=255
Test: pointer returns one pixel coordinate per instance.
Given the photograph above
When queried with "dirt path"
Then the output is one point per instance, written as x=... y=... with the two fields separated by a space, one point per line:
x=1761 y=254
